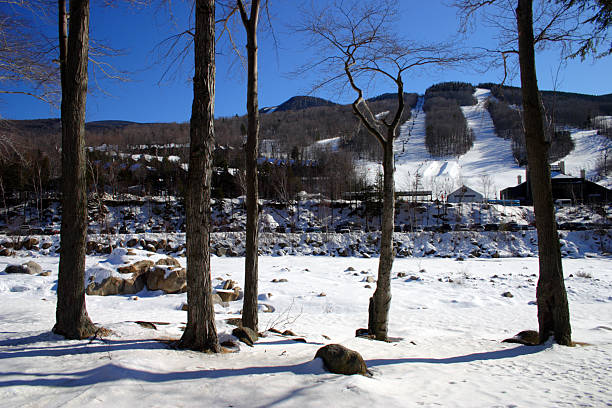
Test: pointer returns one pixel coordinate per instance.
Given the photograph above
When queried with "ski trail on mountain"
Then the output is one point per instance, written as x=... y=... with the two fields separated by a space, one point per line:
x=490 y=160
x=589 y=150
x=491 y=155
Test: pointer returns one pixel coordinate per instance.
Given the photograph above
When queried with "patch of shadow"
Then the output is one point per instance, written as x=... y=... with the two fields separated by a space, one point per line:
x=468 y=358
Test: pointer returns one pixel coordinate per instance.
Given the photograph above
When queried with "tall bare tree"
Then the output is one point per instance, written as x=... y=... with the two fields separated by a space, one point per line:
x=358 y=39
x=250 y=21
x=558 y=23
x=201 y=332
x=553 y=309
x=72 y=320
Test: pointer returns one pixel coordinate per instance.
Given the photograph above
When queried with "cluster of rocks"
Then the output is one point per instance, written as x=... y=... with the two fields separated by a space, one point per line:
x=459 y=245
x=8 y=247
x=151 y=245
x=166 y=275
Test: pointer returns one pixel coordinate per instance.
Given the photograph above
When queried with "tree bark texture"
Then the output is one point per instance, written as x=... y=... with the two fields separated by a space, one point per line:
x=249 y=310
x=380 y=303
x=201 y=332
x=72 y=320
x=553 y=309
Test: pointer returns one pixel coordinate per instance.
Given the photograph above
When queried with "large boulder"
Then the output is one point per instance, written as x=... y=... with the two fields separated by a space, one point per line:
x=167 y=279
x=245 y=335
x=6 y=252
x=230 y=295
x=32 y=268
x=115 y=285
x=15 y=269
x=137 y=268
x=28 y=268
x=30 y=243
x=341 y=360
x=168 y=261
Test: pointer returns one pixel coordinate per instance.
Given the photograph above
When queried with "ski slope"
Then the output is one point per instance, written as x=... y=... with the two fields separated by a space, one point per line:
x=490 y=156
x=589 y=149
x=487 y=167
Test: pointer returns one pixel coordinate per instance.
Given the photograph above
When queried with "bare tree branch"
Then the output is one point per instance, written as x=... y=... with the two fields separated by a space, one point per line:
x=26 y=60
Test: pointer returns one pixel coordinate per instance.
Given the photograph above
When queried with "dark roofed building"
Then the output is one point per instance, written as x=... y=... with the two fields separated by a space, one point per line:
x=564 y=187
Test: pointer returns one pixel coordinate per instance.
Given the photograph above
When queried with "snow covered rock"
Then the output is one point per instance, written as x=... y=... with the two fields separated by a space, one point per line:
x=6 y=252
x=32 y=268
x=429 y=249
x=137 y=268
x=341 y=360
x=30 y=243
x=229 y=295
x=28 y=268
x=170 y=280
x=165 y=274
x=113 y=285
x=168 y=261
x=245 y=335
x=105 y=282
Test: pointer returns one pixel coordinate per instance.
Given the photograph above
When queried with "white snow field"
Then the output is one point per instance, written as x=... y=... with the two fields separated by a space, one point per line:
x=449 y=316
x=589 y=149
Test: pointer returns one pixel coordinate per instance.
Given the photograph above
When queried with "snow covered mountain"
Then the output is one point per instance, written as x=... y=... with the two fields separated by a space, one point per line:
x=487 y=167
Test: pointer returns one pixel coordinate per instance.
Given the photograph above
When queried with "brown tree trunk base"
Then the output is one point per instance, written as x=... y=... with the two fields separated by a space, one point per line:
x=190 y=341
x=85 y=330
x=377 y=330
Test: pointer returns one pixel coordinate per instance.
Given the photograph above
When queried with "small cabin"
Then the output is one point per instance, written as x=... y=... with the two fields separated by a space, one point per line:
x=465 y=194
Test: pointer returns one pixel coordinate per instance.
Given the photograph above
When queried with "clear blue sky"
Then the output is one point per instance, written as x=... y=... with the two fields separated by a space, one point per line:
x=145 y=99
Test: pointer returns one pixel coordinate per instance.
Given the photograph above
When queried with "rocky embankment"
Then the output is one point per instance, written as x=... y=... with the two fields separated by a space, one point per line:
x=464 y=244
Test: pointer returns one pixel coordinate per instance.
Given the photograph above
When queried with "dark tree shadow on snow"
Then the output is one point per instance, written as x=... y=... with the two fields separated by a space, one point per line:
x=468 y=358
x=111 y=372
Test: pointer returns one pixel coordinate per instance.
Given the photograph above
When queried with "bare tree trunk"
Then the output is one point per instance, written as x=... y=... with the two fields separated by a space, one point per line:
x=553 y=310
x=381 y=299
x=72 y=320
x=249 y=310
x=6 y=218
x=201 y=332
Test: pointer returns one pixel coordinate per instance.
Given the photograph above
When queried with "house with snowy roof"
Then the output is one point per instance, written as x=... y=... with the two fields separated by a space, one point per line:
x=465 y=194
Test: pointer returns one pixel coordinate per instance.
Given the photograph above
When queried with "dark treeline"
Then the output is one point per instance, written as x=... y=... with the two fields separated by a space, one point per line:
x=461 y=92
x=149 y=158
x=446 y=129
x=561 y=108
x=508 y=124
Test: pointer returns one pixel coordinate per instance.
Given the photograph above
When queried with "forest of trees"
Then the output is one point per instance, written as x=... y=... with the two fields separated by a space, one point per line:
x=126 y=162
x=135 y=156
x=508 y=125
x=561 y=108
x=446 y=129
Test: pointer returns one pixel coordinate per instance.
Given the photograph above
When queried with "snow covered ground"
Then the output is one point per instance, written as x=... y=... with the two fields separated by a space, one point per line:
x=449 y=315
x=589 y=150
